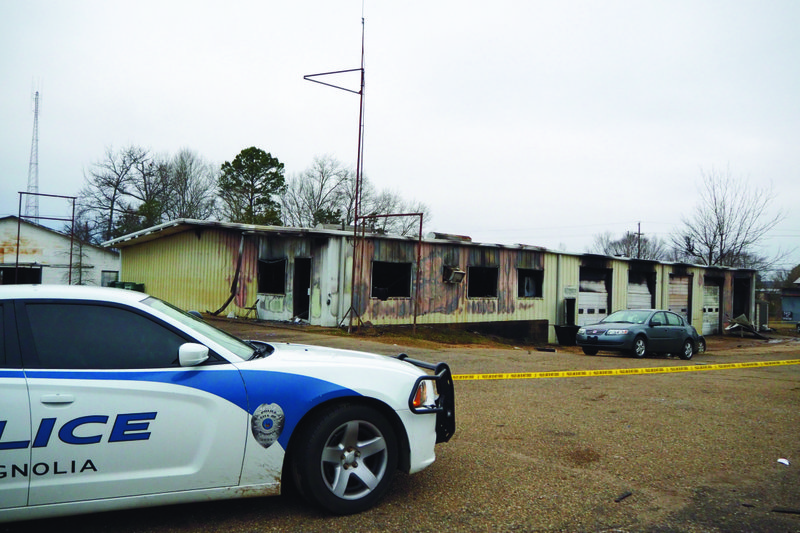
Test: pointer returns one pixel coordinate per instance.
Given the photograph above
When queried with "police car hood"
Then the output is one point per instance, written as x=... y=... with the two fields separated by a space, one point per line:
x=303 y=354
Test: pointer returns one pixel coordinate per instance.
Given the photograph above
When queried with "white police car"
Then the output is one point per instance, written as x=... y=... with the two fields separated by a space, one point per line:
x=112 y=399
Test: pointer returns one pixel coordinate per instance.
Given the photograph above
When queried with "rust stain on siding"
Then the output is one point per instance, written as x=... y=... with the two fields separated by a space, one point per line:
x=26 y=247
x=436 y=297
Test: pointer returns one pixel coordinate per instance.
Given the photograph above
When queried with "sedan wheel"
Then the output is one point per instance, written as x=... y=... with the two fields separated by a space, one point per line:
x=345 y=458
x=701 y=345
x=639 y=347
x=688 y=349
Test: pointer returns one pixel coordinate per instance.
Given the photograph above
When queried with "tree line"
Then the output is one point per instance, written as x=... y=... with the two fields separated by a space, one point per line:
x=726 y=227
x=131 y=189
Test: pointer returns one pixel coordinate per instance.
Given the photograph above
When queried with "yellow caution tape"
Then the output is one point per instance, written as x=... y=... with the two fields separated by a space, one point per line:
x=620 y=371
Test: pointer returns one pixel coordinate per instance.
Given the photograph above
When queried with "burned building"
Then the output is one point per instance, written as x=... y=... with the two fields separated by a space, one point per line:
x=330 y=277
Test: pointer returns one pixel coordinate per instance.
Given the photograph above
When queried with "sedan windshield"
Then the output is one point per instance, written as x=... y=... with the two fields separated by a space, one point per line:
x=628 y=316
x=237 y=346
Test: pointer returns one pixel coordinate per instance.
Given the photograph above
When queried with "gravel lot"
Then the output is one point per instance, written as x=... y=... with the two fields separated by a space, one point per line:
x=687 y=452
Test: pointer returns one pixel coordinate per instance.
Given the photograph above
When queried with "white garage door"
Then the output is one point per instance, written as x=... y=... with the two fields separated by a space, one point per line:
x=592 y=302
x=710 y=309
x=639 y=296
x=679 y=295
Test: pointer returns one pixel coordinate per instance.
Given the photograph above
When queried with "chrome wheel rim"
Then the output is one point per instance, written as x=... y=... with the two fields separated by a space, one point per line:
x=639 y=347
x=354 y=459
x=688 y=349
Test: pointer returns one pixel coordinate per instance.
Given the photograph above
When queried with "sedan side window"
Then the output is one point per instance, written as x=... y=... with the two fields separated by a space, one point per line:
x=659 y=317
x=92 y=336
x=673 y=319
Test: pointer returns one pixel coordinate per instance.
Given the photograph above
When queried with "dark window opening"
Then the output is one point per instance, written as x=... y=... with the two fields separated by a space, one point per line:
x=529 y=283
x=391 y=280
x=482 y=282
x=272 y=276
x=23 y=275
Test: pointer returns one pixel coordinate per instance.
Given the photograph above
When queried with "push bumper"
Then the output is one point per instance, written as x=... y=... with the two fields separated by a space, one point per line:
x=445 y=407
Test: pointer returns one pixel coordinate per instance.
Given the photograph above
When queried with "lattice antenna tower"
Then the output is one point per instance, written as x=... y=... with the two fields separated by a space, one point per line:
x=32 y=200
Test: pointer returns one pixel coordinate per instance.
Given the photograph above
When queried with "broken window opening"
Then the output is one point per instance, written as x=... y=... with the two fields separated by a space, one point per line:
x=482 y=282
x=391 y=280
x=529 y=283
x=272 y=276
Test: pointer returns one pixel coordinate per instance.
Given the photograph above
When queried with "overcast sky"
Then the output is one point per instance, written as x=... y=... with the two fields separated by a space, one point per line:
x=544 y=123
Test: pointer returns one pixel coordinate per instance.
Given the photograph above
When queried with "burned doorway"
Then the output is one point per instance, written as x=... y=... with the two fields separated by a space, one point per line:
x=741 y=296
x=301 y=287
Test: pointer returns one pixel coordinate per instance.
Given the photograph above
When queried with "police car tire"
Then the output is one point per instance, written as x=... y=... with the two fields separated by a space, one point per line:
x=315 y=473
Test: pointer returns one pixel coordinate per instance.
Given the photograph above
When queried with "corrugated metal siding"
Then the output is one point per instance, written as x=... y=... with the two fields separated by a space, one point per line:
x=194 y=270
x=619 y=285
x=440 y=302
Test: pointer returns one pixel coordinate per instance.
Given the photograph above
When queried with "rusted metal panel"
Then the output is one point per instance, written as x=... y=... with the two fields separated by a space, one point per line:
x=441 y=302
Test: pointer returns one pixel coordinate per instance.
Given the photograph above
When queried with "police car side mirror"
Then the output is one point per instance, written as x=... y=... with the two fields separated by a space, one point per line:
x=192 y=354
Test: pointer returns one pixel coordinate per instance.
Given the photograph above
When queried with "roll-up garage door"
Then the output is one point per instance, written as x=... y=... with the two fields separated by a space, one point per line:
x=710 y=309
x=679 y=295
x=639 y=296
x=592 y=302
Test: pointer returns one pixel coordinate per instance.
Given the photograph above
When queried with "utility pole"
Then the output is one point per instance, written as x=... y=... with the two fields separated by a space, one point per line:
x=639 y=241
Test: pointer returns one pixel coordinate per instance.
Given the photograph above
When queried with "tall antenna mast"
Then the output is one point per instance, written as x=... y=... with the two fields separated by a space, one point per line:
x=32 y=200
x=356 y=273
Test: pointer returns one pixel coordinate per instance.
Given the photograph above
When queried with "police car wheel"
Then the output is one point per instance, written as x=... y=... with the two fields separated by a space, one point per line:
x=346 y=458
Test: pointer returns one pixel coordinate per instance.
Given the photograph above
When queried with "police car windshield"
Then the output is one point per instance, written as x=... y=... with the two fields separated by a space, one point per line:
x=238 y=347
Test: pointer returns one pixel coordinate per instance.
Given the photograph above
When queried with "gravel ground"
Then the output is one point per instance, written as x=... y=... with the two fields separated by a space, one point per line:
x=688 y=452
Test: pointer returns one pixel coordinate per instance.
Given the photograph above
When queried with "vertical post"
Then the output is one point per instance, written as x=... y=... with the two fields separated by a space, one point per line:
x=417 y=298
x=355 y=280
x=72 y=246
x=19 y=228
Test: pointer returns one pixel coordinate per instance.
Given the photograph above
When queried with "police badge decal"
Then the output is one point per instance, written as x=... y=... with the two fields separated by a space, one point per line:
x=267 y=423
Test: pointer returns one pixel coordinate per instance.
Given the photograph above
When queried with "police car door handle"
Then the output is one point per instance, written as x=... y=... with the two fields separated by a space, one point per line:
x=57 y=398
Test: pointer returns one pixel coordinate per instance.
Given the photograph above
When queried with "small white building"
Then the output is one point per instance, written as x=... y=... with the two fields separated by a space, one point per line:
x=44 y=257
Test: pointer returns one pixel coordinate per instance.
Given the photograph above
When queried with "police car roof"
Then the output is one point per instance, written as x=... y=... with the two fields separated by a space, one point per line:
x=71 y=292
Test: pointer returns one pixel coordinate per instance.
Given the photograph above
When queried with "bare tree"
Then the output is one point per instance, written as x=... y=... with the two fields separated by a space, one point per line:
x=148 y=192
x=191 y=185
x=728 y=223
x=633 y=245
x=390 y=202
x=325 y=193
x=108 y=182
x=317 y=195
